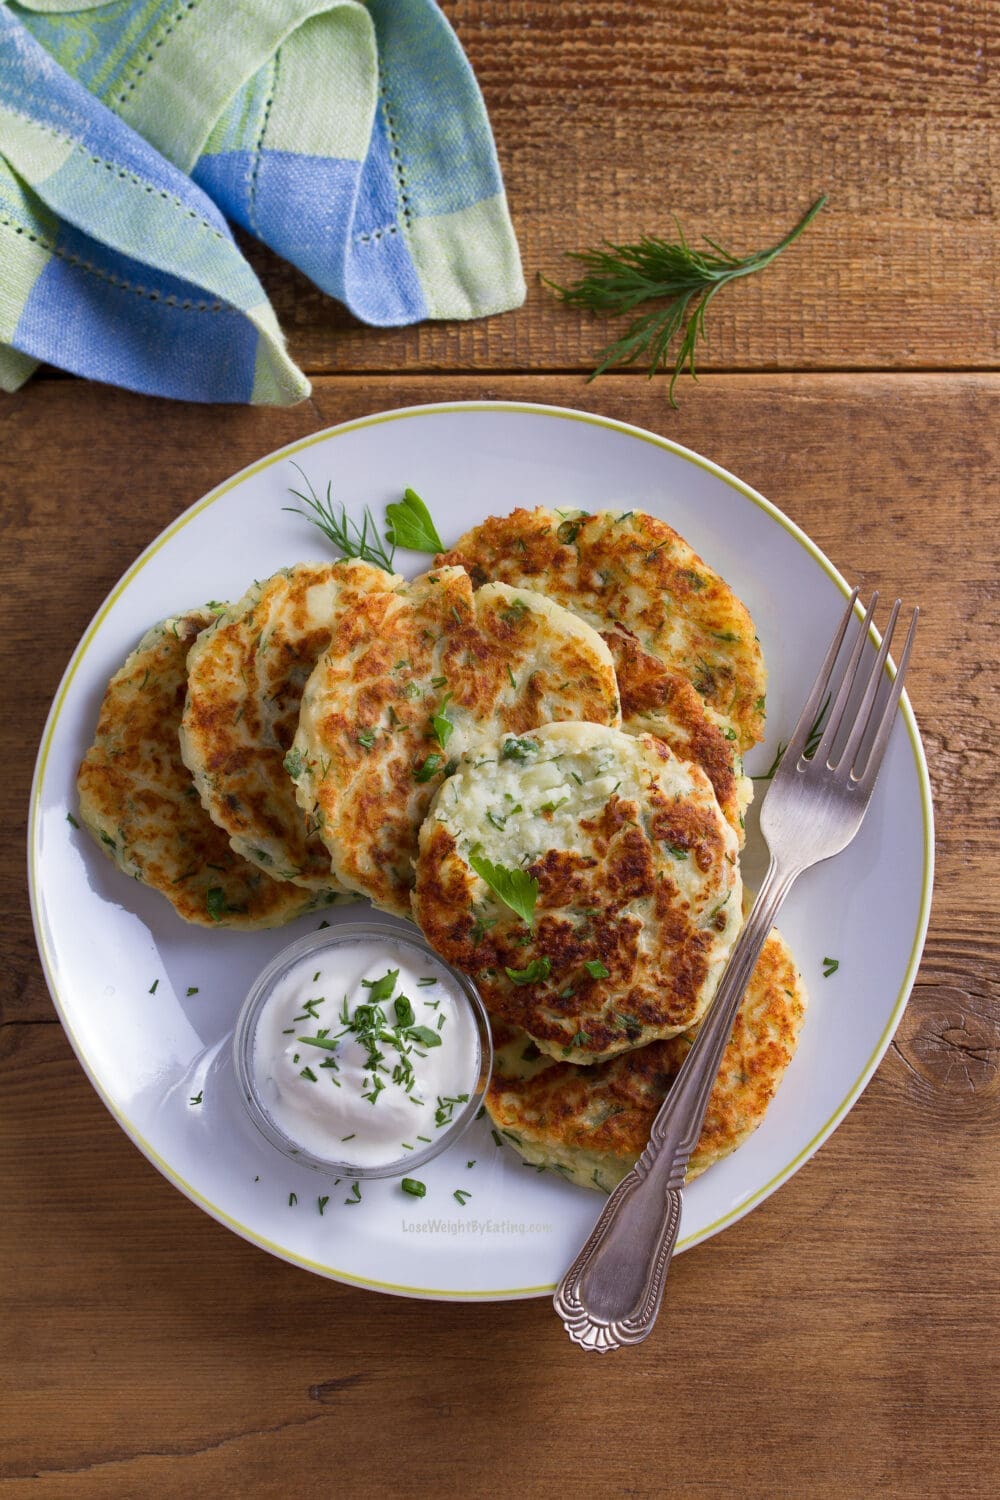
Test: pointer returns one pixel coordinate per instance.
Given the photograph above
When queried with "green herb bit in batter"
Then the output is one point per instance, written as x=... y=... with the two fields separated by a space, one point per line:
x=537 y=970
x=551 y=807
x=410 y=525
x=676 y=851
x=515 y=612
x=294 y=763
x=596 y=969
x=513 y=679
x=516 y=888
x=415 y=1188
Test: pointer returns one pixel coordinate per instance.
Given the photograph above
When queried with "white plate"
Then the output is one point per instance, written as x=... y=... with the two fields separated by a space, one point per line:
x=105 y=941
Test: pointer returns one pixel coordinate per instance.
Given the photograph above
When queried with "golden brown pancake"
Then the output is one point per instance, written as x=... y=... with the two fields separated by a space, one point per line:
x=629 y=571
x=245 y=680
x=411 y=680
x=139 y=802
x=638 y=888
x=591 y=1124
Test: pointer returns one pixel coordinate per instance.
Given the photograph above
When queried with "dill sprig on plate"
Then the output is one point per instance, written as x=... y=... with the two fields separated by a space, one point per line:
x=681 y=281
x=350 y=539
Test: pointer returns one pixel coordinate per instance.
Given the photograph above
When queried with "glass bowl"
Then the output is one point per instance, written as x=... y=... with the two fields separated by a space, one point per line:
x=386 y=932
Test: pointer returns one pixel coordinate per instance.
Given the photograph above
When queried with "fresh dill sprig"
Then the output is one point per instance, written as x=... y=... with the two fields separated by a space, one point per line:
x=680 y=279
x=350 y=539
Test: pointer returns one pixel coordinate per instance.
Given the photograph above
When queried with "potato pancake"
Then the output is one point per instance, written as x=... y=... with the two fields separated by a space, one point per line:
x=411 y=680
x=591 y=1124
x=139 y=802
x=245 y=680
x=656 y=700
x=635 y=877
x=629 y=571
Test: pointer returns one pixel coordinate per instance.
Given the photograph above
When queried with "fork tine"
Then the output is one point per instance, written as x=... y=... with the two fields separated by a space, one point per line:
x=866 y=707
x=847 y=681
x=866 y=778
x=807 y=718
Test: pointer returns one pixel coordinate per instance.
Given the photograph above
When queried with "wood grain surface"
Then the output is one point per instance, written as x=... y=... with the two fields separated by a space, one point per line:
x=841 y=1341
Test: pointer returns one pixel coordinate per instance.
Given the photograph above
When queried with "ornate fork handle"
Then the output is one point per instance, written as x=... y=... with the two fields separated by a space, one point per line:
x=611 y=1293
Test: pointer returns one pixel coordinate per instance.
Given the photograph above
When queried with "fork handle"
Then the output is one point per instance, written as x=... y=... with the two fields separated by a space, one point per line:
x=610 y=1295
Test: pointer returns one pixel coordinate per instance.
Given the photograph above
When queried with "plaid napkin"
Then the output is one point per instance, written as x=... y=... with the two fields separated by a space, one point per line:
x=350 y=137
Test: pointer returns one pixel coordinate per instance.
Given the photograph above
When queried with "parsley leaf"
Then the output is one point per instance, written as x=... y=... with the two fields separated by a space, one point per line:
x=410 y=525
x=516 y=888
x=539 y=968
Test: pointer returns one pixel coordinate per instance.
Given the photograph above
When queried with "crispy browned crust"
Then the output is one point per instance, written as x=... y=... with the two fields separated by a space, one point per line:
x=394 y=662
x=617 y=904
x=657 y=700
x=594 y=1122
x=632 y=570
x=138 y=799
x=245 y=681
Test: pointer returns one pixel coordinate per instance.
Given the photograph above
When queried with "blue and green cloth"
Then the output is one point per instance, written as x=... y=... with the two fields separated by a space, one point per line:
x=350 y=137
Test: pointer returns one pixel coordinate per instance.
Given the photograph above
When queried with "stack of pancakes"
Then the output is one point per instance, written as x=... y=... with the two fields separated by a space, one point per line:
x=564 y=698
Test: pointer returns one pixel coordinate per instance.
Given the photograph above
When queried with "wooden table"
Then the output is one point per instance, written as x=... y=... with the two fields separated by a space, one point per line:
x=843 y=1339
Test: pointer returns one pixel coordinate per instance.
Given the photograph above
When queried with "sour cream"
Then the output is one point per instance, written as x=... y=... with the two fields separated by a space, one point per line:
x=365 y=1053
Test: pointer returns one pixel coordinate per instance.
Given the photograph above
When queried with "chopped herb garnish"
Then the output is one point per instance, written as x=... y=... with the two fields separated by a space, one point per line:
x=415 y=1188
x=366 y=738
x=830 y=966
x=70 y=819
x=461 y=1197
x=519 y=748
x=538 y=969
x=430 y=767
x=355 y=1194
x=321 y=1204
x=516 y=888
x=551 y=807
x=192 y=989
x=425 y=981
x=596 y=969
x=198 y=1097
x=292 y=1200
x=676 y=851
x=381 y=989
x=441 y=725
x=470 y=1163
x=152 y=987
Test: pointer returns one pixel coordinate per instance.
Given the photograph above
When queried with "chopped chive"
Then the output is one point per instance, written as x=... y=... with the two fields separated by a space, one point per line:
x=461 y=1197
x=192 y=989
x=412 y=1186
x=70 y=819
x=830 y=966
x=321 y=1204
x=152 y=987
x=197 y=1098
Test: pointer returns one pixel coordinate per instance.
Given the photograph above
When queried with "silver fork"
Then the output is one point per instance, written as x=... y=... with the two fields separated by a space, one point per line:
x=611 y=1294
